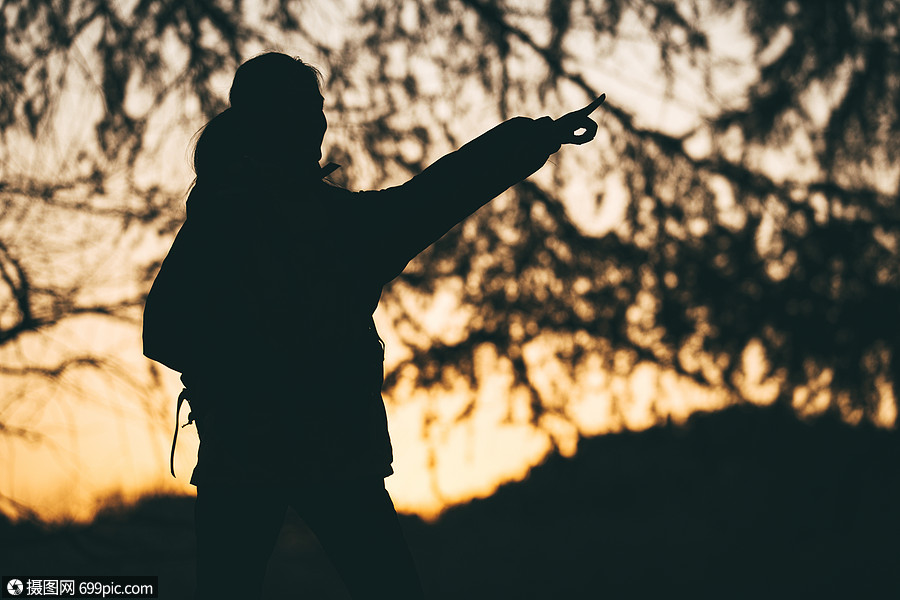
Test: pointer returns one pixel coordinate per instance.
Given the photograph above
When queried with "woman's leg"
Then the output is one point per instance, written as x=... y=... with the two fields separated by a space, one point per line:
x=236 y=527
x=358 y=528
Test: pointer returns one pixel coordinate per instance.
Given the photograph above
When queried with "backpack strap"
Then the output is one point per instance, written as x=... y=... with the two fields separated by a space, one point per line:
x=181 y=398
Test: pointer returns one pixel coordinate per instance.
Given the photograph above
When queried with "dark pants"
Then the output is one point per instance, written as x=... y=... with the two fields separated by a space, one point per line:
x=356 y=524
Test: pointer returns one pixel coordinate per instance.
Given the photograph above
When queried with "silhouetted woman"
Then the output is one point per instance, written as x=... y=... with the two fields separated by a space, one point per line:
x=264 y=305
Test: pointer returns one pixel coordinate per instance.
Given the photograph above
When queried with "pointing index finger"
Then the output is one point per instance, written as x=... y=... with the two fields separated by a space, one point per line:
x=593 y=105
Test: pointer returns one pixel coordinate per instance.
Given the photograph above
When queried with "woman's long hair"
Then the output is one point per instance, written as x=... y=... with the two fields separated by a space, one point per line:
x=275 y=119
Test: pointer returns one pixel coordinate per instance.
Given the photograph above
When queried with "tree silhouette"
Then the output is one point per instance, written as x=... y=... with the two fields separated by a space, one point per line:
x=765 y=226
x=758 y=238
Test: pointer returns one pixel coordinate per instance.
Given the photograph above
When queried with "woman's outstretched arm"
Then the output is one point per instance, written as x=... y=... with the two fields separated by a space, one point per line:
x=409 y=218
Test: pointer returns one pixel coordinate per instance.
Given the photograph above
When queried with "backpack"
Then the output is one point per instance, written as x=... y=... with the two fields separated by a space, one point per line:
x=166 y=325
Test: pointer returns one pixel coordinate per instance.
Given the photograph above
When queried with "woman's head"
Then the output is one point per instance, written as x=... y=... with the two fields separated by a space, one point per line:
x=276 y=81
x=276 y=117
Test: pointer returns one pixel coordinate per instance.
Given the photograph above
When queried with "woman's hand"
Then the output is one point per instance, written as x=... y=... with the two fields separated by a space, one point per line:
x=568 y=125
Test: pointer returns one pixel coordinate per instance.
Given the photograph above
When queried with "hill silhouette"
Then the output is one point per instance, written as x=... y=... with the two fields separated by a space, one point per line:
x=742 y=503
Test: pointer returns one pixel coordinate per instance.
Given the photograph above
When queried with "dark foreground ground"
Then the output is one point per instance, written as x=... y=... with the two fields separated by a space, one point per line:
x=745 y=503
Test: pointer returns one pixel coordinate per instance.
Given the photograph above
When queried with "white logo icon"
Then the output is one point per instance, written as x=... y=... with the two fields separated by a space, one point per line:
x=14 y=587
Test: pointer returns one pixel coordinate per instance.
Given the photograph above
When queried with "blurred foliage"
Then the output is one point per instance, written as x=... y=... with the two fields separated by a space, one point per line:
x=718 y=254
x=762 y=224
